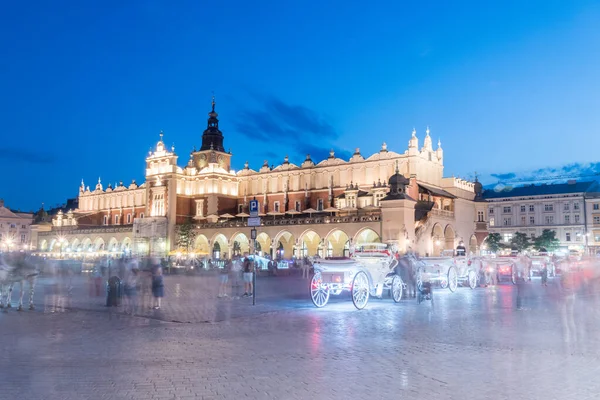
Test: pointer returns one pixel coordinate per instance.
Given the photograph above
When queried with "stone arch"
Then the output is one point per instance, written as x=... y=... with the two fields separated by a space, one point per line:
x=450 y=237
x=113 y=245
x=366 y=235
x=86 y=244
x=75 y=245
x=473 y=244
x=338 y=243
x=126 y=245
x=284 y=243
x=220 y=248
x=99 y=244
x=201 y=245
x=437 y=240
x=239 y=244
x=310 y=244
x=263 y=244
x=51 y=245
x=44 y=245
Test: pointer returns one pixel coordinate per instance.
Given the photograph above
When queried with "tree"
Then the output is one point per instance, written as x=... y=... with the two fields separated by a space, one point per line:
x=547 y=240
x=186 y=235
x=494 y=242
x=520 y=241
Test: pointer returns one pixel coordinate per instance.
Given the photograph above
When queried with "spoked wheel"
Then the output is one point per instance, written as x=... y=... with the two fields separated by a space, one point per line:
x=360 y=290
x=452 y=279
x=419 y=278
x=472 y=276
x=319 y=292
x=397 y=288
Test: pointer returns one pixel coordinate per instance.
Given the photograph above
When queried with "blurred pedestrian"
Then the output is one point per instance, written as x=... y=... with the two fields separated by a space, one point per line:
x=158 y=287
x=305 y=266
x=224 y=278
x=248 y=274
x=131 y=289
x=544 y=275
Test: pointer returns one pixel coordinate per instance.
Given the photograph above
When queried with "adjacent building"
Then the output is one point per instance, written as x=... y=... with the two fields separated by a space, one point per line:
x=570 y=209
x=15 y=229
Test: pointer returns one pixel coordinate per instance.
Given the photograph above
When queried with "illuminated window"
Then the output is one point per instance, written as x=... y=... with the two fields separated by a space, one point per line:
x=507 y=237
x=492 y=221
x=568 y=237
x=158 y=205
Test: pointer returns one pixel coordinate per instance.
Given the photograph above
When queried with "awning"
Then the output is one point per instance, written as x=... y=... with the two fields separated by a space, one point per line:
x=435 y=191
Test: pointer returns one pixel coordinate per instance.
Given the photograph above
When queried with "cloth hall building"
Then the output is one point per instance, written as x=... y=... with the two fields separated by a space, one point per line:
x=318 y=207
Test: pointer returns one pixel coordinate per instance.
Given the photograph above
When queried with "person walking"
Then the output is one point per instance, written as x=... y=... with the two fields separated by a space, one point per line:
x=131 y=289
x=158 y=287
x=305 y=267
x=248 y=272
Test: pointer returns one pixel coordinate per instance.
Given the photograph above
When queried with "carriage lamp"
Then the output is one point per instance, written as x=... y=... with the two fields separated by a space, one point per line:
x=437 y=242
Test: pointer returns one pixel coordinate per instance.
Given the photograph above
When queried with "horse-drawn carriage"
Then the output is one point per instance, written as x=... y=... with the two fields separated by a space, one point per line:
x=437 y=270
x=370 y=271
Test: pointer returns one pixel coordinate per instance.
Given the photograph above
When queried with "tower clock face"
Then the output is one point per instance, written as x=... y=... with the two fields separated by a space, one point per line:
x=203 y=157
x=221 y=161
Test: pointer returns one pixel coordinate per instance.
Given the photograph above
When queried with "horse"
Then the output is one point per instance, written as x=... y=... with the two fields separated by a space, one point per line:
x=17 y=268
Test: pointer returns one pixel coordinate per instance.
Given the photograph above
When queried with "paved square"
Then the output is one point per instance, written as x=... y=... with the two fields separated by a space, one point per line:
x=472 y=344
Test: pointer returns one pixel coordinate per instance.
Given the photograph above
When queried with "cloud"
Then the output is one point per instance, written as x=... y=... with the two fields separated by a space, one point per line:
x=12 y=155
x=294 y=127
x=506 y=176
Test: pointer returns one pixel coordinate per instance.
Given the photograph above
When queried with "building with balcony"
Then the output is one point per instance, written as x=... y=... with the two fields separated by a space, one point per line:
x=566 y=208
x=322 y=207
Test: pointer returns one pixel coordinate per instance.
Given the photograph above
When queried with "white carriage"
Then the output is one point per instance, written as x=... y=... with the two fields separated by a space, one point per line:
x=437 y=270
x=468 y=270
x=370 y=271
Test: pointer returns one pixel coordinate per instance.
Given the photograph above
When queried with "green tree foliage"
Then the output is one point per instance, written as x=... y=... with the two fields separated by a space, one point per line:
x=186 y=235
x=547 y=240
x=494 y=242
x=520 y=241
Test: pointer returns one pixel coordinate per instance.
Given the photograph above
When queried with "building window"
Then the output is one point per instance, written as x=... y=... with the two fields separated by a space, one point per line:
x=596 y=206
x=523 y=220
x=116 y=220
x=577 y=218
x=566 y=207
x=297 y=206
x=548 y=207
x=276 y=206
x=531 y=220
x=492 y=221
x=158 y=205
x=240 y=208
x=507 y=210
x=23 y=238
x=320 y=205
x=568 y=236
x=549 y=219
x=141 y=215
x=531 y=208
x=567 y=219
x=578 y=237
x=491 y=211
x=128 y=218
x=507 y=221
x=575 y=206
x=596 y=219
x=22 y=226
x=480 y=216
x=532 y=236
x=522 y=208
x=507 y=237
x=105 y=220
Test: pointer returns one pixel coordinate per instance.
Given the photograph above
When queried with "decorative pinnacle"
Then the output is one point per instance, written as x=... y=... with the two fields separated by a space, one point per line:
x=213 y=101
x=427 y=130
x=414 y=132
x=161 y=134
x=439 y=143
x=397 y=168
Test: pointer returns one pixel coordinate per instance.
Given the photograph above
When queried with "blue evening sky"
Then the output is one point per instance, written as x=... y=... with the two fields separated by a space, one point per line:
x=87 y=85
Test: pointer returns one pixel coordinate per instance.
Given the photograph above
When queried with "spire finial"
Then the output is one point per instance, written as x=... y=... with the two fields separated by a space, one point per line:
x=99 y=181
x=161 y=134
x=213 y=101
x=414 y=132
x=397 y=168
x=427 y=130
x=439 y=142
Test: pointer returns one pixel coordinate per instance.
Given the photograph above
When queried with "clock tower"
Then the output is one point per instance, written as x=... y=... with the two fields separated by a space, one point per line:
x=212 y=150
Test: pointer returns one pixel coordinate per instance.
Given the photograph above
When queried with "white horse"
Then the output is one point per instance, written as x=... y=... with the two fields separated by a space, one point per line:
x=17 y=268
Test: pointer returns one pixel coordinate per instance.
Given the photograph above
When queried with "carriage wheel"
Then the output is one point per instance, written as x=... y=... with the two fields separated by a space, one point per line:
x=472 y=276
x=360 y=290
x=319 y=292
x=419 y=278
x=397 y=288
x=452 y=279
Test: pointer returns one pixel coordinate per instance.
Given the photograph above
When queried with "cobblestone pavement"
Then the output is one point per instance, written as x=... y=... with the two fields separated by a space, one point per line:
x=469 y=345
